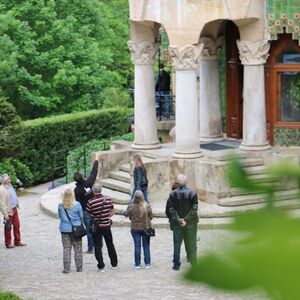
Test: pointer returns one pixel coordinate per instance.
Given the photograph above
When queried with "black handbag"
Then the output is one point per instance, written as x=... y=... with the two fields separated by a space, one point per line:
x=78 y=231
x=150 y=231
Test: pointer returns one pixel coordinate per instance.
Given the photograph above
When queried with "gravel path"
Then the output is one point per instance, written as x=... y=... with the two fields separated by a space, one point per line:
x=34 y=271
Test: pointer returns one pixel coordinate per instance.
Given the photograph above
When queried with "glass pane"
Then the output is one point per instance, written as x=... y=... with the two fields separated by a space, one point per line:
x=290 y=97
x=289 y=57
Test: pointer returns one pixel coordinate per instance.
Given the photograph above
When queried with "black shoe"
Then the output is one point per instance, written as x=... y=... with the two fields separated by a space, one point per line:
x=176 y=268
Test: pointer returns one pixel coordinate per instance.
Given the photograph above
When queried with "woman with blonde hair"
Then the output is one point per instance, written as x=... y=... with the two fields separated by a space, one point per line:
x=70 y=214
x=139 y=177
x=140 y=214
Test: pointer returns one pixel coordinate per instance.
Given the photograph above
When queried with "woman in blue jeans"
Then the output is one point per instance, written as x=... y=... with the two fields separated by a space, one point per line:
x=140 y=180
x=140 y=214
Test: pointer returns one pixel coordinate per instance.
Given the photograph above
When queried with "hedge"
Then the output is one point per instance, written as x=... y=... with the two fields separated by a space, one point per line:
x=47 y=140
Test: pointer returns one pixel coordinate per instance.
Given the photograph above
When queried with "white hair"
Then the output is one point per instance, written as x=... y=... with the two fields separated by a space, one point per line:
x=181 y=180
x=3 y=178
x=97 y=188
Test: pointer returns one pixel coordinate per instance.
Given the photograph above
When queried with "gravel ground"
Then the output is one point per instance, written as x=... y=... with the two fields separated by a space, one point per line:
x=35 y=271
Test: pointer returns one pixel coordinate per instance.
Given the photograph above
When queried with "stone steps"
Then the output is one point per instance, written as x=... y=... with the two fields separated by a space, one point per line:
x=251 y=162
x=257 y=198
x=117 y=197
x=125 y=168
x=256 y=170
x=116 y=185
x=120 y=175
x=157 y=223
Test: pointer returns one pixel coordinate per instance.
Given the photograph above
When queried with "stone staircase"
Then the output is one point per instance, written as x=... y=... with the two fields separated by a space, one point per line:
x=117 y=186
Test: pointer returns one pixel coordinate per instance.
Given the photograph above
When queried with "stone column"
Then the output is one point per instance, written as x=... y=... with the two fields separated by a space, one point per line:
x=253 y=55
x=210 y=118
x=185 y=61
x=145 y=132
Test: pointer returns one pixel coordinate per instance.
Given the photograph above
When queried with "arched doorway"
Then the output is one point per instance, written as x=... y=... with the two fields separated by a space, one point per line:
x=283 y=86
x=234 y=83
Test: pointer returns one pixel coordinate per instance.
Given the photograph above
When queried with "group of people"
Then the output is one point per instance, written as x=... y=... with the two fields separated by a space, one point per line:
x=86 y=204
x=92 y=207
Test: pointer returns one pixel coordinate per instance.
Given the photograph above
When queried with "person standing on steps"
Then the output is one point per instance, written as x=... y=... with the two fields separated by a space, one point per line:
x=140 y=181
x=9 y=208
x=101 y=210
x=83 y=193
x=70 y=214
x=140 y=214
x=182 y=211
x=162 y=91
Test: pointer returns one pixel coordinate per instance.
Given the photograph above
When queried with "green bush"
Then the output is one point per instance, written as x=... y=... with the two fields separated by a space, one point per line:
x=11 y=137
x=48 y=140
x=15 y=169
x=9 y=296
x=78 y=162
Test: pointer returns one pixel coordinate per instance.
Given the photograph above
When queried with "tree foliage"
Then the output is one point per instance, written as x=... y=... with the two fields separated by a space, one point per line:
x=11 y=137
x=61 y=55
x=267 y=254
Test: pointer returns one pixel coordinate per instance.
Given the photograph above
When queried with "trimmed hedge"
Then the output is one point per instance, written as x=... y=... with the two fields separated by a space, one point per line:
x=44 y=137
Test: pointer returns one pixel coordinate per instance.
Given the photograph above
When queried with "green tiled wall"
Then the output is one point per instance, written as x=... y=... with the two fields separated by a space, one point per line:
x=283 y=14
x=287 y=136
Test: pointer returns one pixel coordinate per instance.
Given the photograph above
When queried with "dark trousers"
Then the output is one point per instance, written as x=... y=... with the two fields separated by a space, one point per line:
x=97 y=237
x=188 y=234
x=14 y=220
x=86 y=221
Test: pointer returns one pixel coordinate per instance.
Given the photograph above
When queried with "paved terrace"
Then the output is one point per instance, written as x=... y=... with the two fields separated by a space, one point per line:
x=34 y=271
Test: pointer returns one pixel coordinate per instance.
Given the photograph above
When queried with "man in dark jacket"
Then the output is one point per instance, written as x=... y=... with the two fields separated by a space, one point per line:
x=83 y=193
x=181 y=209
x=162 y=91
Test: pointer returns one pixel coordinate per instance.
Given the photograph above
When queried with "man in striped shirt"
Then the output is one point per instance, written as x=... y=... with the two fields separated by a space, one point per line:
x=101 y=209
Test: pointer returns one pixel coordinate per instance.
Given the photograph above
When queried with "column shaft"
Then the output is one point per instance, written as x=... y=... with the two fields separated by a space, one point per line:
x=210 y=104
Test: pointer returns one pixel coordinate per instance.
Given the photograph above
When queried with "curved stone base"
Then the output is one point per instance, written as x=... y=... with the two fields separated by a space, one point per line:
x=211 y=139
x=145 y=146
x=187 y=155
x=255 y=147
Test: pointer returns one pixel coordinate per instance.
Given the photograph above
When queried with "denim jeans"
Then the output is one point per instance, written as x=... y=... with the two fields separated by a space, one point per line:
x=144 y=190
x=163 y=103
x=188 y=234
x=86 y=221
x=140 y=237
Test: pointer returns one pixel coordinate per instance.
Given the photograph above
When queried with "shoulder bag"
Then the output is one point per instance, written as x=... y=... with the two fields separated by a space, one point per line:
x=78 y=231
x=150 y=231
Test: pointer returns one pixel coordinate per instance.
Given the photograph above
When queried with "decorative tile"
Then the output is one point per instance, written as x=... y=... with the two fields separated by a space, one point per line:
x=283 y=14
x=287 y=137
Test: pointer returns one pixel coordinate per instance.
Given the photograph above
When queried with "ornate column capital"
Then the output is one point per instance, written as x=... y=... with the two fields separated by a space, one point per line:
x=186 y=58
x=212 y=47
x=253 y=52
x=143 y=53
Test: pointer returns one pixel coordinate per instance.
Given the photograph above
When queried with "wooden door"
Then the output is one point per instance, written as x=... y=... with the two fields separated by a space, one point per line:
x=234 y=83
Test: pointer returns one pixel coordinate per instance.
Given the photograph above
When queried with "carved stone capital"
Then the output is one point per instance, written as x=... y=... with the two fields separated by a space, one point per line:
x=143 y=53
x=186 y=58
x=212 y=47
x=253 y=53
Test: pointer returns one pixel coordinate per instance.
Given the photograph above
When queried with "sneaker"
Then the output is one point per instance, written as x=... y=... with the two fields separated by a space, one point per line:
x=176 y=268
x=66 y=271
x=20 y=244
x=148 y=266
x=114 y=268
x=10 y=246
x=102 y=270
x=79 y=270
x=137 y=267
x=89 y=252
